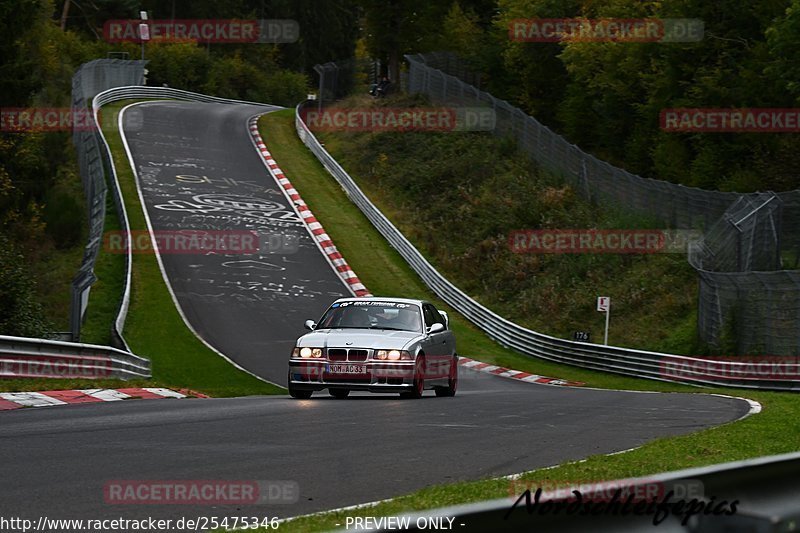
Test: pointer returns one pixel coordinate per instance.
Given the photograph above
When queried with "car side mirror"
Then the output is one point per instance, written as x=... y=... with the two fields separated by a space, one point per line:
x=438 y=326
x=310 y=324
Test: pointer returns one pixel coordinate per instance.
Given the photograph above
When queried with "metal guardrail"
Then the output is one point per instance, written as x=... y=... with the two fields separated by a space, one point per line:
x=22 y=357
x=89 y=80
x=766 y=492
x=638 y=363
x=141 y=91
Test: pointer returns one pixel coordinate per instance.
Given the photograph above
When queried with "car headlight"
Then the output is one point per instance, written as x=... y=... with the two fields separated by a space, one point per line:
x=307 y=352
x=392 y=355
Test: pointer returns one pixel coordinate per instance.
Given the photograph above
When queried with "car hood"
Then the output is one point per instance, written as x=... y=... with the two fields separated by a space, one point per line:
x=359 y=338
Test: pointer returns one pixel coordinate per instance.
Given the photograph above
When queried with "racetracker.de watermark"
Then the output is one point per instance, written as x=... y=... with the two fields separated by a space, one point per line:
x=203 y=31
x=777 y=368
x=200 y=492
x=57 y=367
x=384 y=119
x=642 y=30
x=744 y=120
x=601 y=241
x=227 y=242
x=36 y=119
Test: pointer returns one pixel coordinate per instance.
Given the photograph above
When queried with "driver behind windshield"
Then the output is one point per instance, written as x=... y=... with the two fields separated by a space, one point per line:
x=403 y=319
x=372 y=318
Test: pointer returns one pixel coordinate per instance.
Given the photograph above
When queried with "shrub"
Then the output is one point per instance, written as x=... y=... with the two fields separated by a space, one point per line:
x=20 y=314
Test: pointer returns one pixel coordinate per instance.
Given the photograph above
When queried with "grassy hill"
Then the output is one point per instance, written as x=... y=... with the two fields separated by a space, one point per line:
x=459 y=195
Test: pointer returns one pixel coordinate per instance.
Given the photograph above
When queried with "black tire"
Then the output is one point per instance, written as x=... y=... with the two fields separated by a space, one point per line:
x=339 y=394
x=419 y=380
x=298 y=394
x=452 y=381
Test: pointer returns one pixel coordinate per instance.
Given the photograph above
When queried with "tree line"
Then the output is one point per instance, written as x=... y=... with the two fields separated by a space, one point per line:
x=604 y=96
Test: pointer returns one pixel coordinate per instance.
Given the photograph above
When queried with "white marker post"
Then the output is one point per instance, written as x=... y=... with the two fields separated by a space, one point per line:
x=604 y=305
x=144 y=30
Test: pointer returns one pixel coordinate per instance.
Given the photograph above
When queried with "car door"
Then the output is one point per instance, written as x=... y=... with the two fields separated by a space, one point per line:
x=433 y=341
x=450 y=338
x=438 y=362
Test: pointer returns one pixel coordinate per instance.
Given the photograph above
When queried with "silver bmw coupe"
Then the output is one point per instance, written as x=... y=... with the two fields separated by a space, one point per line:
x=377 y=345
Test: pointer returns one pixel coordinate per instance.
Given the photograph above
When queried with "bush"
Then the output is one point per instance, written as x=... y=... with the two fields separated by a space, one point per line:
x=232 y=77
x=63 y=216
x=20 y=314
x=284 y=88
x=179 y=65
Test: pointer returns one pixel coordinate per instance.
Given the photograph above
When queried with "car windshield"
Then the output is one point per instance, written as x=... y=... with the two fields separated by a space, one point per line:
x=372 y=315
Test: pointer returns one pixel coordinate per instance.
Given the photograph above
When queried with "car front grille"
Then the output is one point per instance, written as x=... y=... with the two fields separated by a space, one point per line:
x=357 y=355
x=347 y=354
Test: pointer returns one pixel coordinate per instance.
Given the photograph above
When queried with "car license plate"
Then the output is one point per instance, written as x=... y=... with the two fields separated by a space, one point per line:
x=347 y=369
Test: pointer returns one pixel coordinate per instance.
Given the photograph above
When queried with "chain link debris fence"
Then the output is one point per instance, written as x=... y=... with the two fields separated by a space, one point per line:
x=746 y=303
x=339 y=79
x=89 y=80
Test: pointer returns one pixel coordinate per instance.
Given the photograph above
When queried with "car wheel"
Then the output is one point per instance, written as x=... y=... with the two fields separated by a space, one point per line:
x=339 y=394
x=299 y=394
x=452 y=381
x=419 y=380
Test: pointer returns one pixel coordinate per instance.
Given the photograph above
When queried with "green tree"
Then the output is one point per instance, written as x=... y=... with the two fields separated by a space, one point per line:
x=328 y=32
x=538 y=77
x=16 y=19
x=393 y=28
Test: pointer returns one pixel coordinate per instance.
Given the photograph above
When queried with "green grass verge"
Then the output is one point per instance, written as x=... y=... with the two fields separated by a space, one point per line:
x=384 y=272
x=106 y=292
x=53 y=272
x=34 y=384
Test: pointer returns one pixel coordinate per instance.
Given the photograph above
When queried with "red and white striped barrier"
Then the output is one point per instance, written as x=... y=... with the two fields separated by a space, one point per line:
x=320 y=236
x=17 y=400
x=486 y=368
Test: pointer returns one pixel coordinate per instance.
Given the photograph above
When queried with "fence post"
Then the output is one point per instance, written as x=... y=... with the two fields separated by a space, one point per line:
x=321 y=71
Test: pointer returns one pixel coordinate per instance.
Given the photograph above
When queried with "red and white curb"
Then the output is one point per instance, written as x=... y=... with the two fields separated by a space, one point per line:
x=495 y=370
x=327 y=246
x=17 y=400
x=323 y=240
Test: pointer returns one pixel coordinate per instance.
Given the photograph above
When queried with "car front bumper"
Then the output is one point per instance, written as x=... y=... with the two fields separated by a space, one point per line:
x=396 y=376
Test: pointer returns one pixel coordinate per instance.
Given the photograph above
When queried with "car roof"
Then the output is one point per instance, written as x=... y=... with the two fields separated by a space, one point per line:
x=382 y=299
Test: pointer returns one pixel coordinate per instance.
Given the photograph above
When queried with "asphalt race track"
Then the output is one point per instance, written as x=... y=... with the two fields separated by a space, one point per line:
x=199 y=170
x=340 y=452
